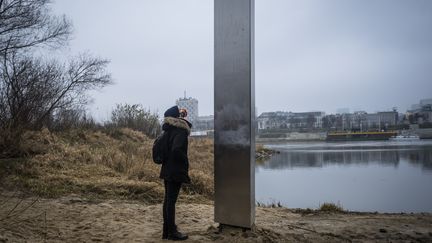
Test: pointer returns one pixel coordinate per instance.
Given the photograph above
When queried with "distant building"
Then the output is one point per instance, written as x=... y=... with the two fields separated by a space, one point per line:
x=358 y=120
x=289 y=120
x=364 y=121
x=307 y=119
x=346 y=119
x=273 y=120
x=191 y=105
x=204 y=123
x=415 y=107
x=423 y=105
x=361 y=121
x=420 y=113
x=373 y=120
x=388 y=118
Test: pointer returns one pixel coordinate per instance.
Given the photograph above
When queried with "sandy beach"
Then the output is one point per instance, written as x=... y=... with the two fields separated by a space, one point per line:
x=75 y=219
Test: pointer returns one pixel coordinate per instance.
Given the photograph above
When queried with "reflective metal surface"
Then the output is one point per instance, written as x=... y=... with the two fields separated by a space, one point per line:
x=234 y=113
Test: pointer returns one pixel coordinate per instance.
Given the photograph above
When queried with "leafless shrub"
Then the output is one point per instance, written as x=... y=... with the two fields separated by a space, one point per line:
x=137 y=118
x=65 y=119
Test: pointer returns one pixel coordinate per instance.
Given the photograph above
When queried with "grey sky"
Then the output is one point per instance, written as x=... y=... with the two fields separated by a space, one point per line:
x=310 y=55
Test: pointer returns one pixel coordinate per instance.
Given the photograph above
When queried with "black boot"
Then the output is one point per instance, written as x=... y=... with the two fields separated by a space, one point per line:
x=165 y=232
x=175 y=235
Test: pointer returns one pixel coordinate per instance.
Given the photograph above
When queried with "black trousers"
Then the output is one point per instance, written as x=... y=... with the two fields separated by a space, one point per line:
x=172 y=190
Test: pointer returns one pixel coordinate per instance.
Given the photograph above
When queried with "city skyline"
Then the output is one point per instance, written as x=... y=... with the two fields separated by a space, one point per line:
x=310 y=55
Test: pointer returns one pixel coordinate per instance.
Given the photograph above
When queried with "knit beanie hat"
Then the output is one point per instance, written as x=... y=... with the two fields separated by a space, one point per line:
x=172 y=112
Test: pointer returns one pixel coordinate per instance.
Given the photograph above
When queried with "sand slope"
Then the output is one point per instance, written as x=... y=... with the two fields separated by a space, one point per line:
x=73 y=219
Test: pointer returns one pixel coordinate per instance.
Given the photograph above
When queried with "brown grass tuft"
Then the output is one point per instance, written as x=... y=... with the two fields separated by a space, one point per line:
x=331 y=208
x=105 y=163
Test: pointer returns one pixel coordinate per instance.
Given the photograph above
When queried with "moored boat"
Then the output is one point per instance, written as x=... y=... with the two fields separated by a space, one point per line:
x=405 y=138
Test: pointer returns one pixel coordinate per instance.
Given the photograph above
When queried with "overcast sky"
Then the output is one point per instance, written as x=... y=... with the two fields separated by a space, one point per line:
x=310 y=55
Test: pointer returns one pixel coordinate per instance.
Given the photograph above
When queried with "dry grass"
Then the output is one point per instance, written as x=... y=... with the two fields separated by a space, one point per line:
x=262 y=153
x=331 y=208
x=325 y=208
x=108 y=163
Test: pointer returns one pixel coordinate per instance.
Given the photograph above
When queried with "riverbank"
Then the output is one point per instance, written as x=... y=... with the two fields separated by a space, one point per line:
x=280 y=136
x=82 y=186
x=76 y=219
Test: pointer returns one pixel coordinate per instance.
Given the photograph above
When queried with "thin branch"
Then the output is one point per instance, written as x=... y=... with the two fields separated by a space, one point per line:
x=21 y=211
x=13 y=209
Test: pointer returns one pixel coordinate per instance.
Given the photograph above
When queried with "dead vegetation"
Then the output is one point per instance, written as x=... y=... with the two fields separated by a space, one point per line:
x=331 y=208
x=102 y=163
x=108 y=163
x=262 y=153
x=325 y=208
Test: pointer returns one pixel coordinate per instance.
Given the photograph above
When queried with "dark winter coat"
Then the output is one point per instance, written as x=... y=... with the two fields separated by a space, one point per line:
x=176 y=168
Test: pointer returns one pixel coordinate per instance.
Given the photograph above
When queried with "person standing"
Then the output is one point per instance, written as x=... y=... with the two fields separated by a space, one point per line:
x=175 y=170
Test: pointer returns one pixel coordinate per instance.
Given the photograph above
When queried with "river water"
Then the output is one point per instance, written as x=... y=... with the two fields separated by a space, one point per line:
x=382 y=176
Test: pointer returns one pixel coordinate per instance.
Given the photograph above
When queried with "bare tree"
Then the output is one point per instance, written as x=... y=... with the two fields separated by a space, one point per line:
x=33 y=89
x=27 y=23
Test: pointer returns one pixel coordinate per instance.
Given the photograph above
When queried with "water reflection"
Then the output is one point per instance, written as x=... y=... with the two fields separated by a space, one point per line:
x=322 y=155
x=362 y=176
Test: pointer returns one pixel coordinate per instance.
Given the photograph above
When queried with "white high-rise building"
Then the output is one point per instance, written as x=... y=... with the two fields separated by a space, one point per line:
x=191 y=105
